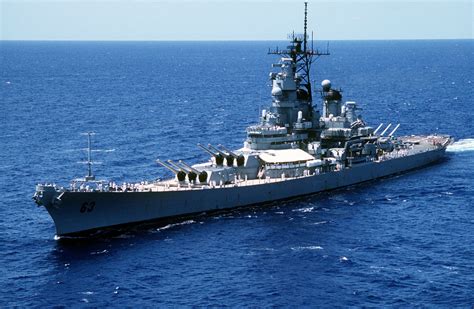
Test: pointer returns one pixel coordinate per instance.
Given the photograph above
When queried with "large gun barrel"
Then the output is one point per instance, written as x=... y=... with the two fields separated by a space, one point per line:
x=378 y=128
x=239 y=158
x=217 y=150
x=176 y=166
x=227 y=150
x=386 y=129
x=206 y=150
x=188 y=166
x=191 y=175
x=394 y=130
x=217 y=156
x=202 y=175
x=229 y=158
x=166 y=166
x=180 y=174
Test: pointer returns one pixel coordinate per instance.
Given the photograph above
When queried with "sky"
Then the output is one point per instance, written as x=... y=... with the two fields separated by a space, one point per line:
x=234 y=19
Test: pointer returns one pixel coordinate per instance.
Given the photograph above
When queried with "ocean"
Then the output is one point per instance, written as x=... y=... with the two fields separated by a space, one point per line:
x=403 y=241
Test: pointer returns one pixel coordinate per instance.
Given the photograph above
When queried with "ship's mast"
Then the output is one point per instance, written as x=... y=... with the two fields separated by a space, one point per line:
x=302 y=56
x=89 y=157
x=89 y=176
x=305 y=23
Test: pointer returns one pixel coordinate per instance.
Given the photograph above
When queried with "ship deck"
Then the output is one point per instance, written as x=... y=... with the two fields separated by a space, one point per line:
x=173 y=185
x=419 y=144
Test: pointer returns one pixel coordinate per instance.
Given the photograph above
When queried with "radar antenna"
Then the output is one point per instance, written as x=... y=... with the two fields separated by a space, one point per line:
x=302 y=56
x=305 y=23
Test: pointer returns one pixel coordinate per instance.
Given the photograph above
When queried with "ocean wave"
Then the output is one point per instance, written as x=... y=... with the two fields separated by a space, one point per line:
x=343 y=259
x=319 y=222
x=462 y=145
x=306 y=248
x=99 y=252
x=175 y=224
x=304 y=209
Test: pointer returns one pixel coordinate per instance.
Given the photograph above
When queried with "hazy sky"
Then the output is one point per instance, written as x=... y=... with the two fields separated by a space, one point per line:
x=233 y=19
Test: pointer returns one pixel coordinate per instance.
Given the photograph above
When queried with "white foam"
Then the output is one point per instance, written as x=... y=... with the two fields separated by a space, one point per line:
x=305 y=209
x=307 y=248
x=175 y=224
x=462 y=145
x=99 y=252
x=319 y=222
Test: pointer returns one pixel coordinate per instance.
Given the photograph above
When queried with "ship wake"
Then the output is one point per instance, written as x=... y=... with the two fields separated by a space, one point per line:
x=462 y=145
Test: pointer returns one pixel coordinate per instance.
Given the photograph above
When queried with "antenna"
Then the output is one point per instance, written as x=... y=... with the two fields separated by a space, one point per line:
x=305 y=24
x=303 y=57
x=89 y=176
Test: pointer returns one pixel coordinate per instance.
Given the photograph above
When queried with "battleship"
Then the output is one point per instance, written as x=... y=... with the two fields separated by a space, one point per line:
x=294 y=150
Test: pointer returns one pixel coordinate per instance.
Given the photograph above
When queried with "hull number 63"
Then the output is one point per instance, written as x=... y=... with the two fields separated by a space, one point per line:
x=87 y=207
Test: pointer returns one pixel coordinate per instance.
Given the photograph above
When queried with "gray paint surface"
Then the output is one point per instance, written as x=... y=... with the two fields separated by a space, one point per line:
x=115 y=208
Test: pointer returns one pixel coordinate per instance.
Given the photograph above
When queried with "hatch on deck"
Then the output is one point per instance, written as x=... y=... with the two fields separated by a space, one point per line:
x=285 y=156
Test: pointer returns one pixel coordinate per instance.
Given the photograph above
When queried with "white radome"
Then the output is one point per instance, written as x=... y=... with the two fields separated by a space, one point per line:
x=326 y=84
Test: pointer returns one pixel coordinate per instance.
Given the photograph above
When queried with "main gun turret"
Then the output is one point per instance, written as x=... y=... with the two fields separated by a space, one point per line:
x=219 y=158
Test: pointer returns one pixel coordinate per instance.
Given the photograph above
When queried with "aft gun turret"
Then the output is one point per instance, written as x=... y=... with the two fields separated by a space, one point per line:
x=386 y=129
x=394 y=130
x=378 y=128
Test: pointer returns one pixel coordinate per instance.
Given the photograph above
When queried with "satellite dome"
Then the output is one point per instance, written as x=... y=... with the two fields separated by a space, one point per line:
x=326 y=84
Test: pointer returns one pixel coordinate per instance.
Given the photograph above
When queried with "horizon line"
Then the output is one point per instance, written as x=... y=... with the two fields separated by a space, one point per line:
x=228 y=40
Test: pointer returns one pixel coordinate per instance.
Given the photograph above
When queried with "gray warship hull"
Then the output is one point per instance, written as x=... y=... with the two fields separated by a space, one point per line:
x=293 y=150
x=75 y=213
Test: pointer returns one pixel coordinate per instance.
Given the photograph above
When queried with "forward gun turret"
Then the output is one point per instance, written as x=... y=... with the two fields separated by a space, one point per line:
x=191 y=174
x=239 y=158
x=217 y=156
x=180 y=174
x=229 y=158
x=201 y=175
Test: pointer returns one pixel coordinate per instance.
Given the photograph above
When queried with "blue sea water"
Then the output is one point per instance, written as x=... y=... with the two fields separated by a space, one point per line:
x=404 y=241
